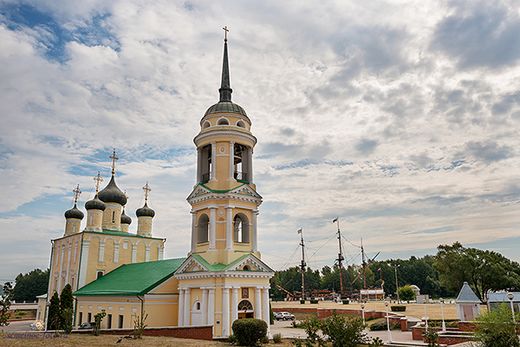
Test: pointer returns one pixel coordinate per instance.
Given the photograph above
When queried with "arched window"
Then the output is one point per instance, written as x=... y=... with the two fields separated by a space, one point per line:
x=203 y=228
x=197 y=306
x=241 y=228
x=206 y=125
x=245 y=305
x=223 y=121
x=241 y=124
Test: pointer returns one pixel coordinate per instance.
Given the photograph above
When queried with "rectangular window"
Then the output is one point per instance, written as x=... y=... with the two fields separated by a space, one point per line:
x=99 y=274
x=89 y=317
x=113 y=216
x=109 y=321
x=80 y=318
x=120 y=323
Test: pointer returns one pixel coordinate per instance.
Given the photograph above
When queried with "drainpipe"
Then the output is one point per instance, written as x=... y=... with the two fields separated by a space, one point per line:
x=142 y=306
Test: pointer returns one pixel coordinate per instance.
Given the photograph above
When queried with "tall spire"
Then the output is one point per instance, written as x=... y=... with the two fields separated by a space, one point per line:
x=225 y=86
x=114 y=158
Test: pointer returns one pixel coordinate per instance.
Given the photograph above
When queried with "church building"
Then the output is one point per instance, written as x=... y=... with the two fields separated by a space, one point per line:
x=221 y=279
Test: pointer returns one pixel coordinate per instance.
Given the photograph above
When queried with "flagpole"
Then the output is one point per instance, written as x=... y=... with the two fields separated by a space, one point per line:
x=303 y=265
x=340 y=258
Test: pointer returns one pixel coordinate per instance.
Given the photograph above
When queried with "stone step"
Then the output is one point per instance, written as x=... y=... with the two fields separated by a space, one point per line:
x=409 y=344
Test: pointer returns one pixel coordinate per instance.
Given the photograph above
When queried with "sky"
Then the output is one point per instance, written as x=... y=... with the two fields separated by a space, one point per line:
x=401 y=118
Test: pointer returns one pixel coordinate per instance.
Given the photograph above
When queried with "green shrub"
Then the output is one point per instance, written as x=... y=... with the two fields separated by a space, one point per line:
x=314 y=301
x=312 y=326
x=302 y=301
x=381 y=325
x=376 y=342
x=346 y=302
x=249 y=331
x=344 y=331
x=398 y=308
x=277 y=338
x=431 y=337
x=496 y=328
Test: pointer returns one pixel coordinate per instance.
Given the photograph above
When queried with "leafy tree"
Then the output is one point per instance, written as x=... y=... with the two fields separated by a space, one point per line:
x=344 y=331
x=28 y=286
x=406 y=293
x=54 y=318
x=497 y=329
x=98 y=318
x=5 y=303
x=66 y=308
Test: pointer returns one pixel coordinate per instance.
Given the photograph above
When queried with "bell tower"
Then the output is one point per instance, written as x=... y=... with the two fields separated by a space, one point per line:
x=224 y=200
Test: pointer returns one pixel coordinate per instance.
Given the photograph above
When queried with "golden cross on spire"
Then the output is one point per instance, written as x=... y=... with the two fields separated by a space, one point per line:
x=76 y=192
x=114 y=158
x=147 y=191
x=98 y=180
x=226 y=30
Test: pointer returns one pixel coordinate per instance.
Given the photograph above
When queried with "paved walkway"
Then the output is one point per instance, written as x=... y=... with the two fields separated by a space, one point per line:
x=285 y=328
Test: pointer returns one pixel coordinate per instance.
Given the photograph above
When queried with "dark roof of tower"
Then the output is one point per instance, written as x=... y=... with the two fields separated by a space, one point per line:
x=112 y=193
x=125 y=219
x=74 y=213
x=145 y=211
x=225 y=104
x=95 y=204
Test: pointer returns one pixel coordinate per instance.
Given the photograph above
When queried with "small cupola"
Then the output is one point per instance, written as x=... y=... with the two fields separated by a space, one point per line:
x=145 y=215
x=125 y=221
x=74 y=215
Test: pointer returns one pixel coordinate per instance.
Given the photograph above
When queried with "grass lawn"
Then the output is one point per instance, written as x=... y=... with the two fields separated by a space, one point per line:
x=111 y=340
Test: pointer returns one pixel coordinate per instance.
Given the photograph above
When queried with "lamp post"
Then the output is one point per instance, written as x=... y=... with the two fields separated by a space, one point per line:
x=396 y=283
x=388 y=322
x=510 y=297
x=363 y=312
x=442 y=315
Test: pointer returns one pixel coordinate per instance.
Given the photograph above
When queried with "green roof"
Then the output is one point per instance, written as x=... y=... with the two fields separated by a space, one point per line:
x=217 y=266
x=132 y=279
x=121 y=233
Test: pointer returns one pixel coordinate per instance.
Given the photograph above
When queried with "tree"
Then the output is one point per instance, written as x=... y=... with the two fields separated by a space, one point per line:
x=54 y=318
x=98 y=318
x=66 y=308
x=5 y=303
x=497 y=329
x=29 y=286
x=406 y=293
x=344 y=331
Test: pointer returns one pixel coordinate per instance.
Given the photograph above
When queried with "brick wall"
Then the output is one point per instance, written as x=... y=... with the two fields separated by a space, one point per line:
x=198 y=333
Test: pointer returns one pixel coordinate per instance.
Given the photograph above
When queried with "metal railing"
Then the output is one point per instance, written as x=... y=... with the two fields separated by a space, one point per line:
x=241 y=176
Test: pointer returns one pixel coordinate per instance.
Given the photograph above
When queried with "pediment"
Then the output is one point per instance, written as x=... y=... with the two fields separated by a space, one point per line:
x=249 y=263
x=246 y=190
x=198 y=192
x=191 y=265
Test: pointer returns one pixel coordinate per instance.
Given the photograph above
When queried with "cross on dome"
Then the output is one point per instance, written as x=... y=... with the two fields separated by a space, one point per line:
x=147 y=191
x=114 y=158
x=77 y=193
x=98 y=180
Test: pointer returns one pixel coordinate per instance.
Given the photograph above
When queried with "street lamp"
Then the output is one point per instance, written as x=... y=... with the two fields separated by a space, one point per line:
x=442 y=315
x=396 y=283
x=363 y=312
x=388 y=323
x=511 y=296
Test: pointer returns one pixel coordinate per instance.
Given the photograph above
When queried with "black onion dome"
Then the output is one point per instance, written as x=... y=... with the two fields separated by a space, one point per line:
x=112 y=193
x=74 y=213
x=125 y=219
x=145 y=211
x=95 y=204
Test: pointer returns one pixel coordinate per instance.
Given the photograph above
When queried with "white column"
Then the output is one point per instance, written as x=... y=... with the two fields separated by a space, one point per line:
x=231 y=160
x=134 y=253
x=213 y=160
x=250 y=164
x=161 y=252
x=69 y=260
x=255 y=232
x=258 y=302
x=193 y=231
x=187 y=307
x=211 y=306
x=212 y=227
x=229 y=229
x=204 y=305
x=101 y=253
x=225 y=312
x=180 y=317
x=234 y=305
x=265 y=307
x=60 y=274
x=116 y=251
x=83 y=263
x=147 y=253
x=199 y=165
